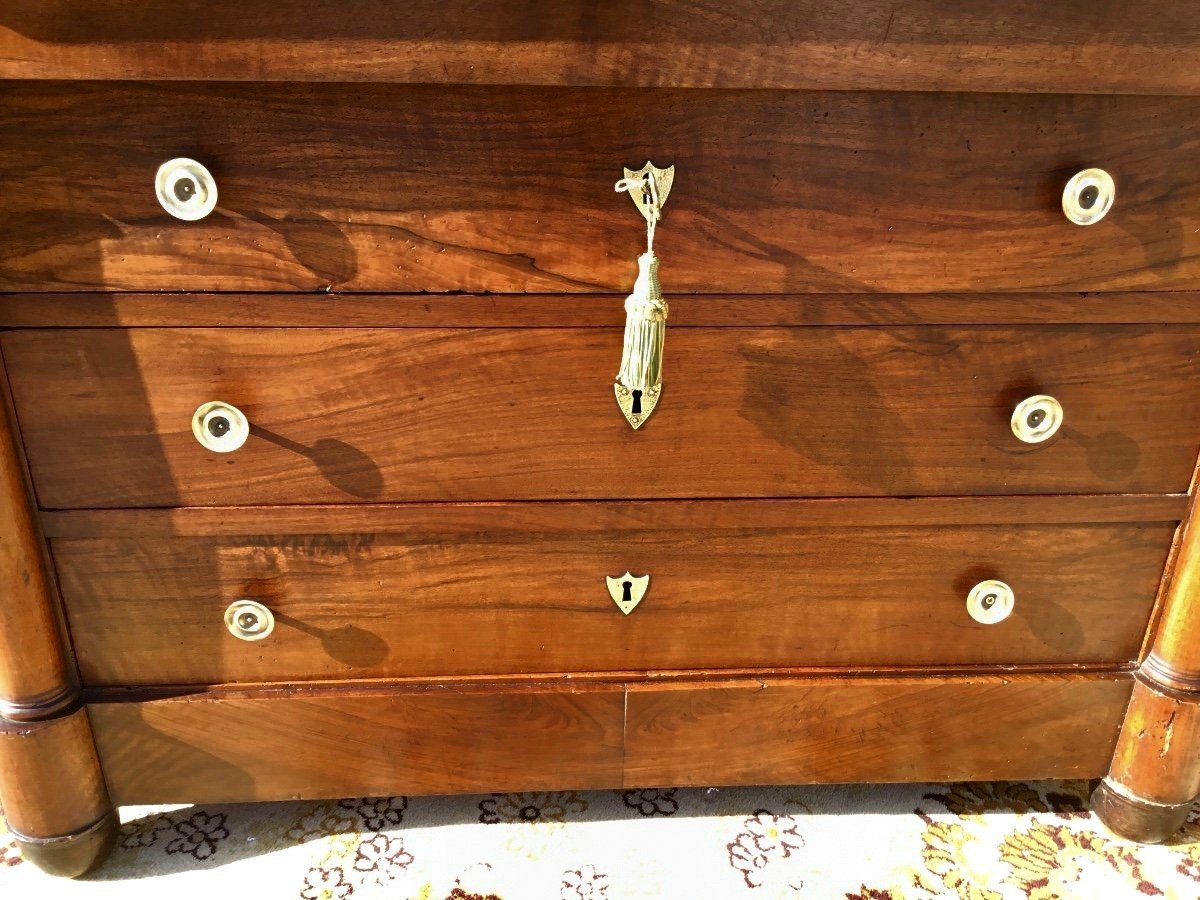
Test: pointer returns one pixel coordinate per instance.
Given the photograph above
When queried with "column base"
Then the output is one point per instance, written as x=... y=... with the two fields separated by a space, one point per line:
x=1137 y=819
x=72 y=855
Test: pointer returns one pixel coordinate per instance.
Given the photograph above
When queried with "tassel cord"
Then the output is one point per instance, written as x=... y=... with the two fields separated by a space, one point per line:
x=645 y=308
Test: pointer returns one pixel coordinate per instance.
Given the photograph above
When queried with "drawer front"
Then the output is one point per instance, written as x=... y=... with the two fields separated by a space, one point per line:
x=933 y=45
x=794 y=732
x=220 y=747
x=489 y=594
x=427 y=188
x=362 y=415
x=360 y=743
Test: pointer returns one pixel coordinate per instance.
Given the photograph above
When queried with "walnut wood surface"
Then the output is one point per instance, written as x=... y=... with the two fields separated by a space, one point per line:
x=433 y=741
x=35 y=670
x=1155 y=760
x=50 y=779
x=420 y=414
x=366 y=605
x=916 y=44
x=289 y=310
x=1135 y=819
x=458 y=188
x=1155 y=771
x=276 y=746
x=1174 y=658
x=774 y=732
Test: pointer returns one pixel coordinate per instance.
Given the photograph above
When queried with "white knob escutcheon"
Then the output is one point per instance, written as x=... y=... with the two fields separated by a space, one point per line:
x=220 y=427
x=1088 y=196
x=990 y=602
x=249 y=620
x=1036 y=419
x=185 y=189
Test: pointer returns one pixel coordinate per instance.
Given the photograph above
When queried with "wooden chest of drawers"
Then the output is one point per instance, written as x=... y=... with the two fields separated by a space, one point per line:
x=913 y=502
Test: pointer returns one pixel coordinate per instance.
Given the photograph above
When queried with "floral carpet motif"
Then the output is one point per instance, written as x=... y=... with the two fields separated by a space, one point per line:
x=985 y=841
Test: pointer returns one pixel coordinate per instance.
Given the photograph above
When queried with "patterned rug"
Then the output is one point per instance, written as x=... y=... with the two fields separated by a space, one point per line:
x=883 y=842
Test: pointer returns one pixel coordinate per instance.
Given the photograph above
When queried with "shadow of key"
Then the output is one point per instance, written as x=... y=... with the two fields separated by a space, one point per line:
x=344 y=466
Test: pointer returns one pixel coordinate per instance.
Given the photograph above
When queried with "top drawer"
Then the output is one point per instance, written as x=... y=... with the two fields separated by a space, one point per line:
x=505 y=189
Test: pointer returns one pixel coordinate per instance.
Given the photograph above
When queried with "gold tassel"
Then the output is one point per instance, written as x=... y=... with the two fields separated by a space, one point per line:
x=639 y=380
x=645 y=328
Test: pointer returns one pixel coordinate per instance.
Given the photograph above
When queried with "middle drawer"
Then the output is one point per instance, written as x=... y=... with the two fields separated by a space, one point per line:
x=419 y=414
x=492 y=589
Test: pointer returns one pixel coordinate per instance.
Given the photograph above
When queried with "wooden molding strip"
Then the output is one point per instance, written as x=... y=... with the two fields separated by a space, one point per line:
x=592 y=681
x=133 y=310
x=582 y=517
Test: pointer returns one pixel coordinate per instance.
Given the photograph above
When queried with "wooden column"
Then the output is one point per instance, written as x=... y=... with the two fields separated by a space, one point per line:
x=51 y=786
x=1155 y=773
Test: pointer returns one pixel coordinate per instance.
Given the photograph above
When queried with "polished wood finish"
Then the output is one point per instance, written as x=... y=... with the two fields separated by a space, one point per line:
x=73 y=855
x=34 y=668
x=367 y=415
x=51 y=788
x=1076 y=45
x=586 y=518
x=1155 y=773
x=1174 y=658
x=413 y=286
x=50 y=779
x=442 y=739
x=907 y=729
x=272 y=747
x=1156 y=761
x=286 y=310
x=506 y=601
x=392 y=188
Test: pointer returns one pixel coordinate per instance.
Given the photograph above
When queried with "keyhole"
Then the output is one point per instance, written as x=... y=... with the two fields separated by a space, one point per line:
x=185 y=189
x=637 y=403
x=626 y=597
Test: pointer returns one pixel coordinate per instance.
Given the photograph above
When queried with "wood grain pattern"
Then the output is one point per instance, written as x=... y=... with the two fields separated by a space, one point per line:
x=1155 y=759
x=287 y=310
x=433 y=741
x=423 y=188
x=505 y=602
x=590 y=519
x=274 y=747
x=1155 y=773
x=792 y=732
x=1174 y=659
x=36 y=672
x=376 y=416
x=914 y=45
x=50 y=779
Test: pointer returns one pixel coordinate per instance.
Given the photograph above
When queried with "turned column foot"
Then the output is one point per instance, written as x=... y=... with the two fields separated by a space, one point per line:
x=53 y=791
x=1155 y=771
x=72 y=855
x=51 y=785
x=1135 y=818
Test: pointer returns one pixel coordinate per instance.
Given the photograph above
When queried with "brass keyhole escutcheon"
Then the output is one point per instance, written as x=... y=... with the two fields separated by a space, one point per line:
x=627 y=590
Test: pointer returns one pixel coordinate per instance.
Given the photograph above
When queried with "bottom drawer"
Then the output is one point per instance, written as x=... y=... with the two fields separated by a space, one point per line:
x=329 y=742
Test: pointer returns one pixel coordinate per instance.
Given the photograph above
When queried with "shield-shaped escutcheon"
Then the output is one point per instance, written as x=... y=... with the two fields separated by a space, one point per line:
x=627 y=590
x=663 y=179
